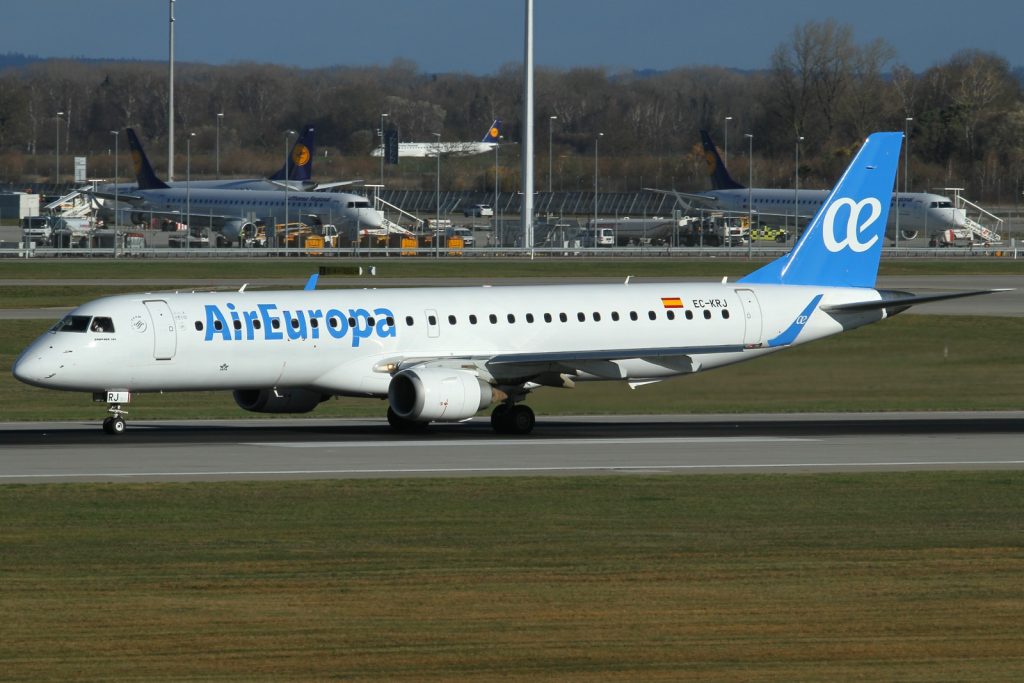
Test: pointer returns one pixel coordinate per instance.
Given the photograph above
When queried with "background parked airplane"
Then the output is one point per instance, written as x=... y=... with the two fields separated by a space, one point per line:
x=432 y=149
x=232 y=210
x=443 y=354
x=919 y=212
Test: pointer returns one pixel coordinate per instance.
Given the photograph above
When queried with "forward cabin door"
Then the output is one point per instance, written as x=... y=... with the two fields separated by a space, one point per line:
x=165 y=337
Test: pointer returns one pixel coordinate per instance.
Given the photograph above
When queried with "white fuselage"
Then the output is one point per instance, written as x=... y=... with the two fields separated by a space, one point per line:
x=432 y=149
x=339 y=208
x=918 y=211
x=343 y=341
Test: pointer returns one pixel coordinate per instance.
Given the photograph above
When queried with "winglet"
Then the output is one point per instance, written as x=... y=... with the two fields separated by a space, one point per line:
x=311 y=283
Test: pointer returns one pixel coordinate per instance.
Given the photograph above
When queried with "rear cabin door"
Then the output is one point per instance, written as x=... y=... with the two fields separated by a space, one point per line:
x=752 y=333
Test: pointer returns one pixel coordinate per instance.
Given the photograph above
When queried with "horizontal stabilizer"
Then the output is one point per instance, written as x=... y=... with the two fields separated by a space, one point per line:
x=903 y=300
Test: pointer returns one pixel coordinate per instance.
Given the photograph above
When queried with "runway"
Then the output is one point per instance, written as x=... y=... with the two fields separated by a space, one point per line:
x=563 y=446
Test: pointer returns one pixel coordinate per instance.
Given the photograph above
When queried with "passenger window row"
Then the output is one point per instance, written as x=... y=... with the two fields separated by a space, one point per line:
x=562 y=317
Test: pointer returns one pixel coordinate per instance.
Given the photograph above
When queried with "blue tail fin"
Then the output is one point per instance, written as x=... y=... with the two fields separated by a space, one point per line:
x=300 y=161
x=842 y=244
x=144 y=174
x=494 y=132
x=720 y=178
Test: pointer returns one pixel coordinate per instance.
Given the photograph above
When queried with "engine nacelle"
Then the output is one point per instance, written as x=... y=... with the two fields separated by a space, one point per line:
x=278 y=400
x=442 y=394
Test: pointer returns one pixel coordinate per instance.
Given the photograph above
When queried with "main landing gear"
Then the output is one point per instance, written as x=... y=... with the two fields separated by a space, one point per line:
x=509 y=418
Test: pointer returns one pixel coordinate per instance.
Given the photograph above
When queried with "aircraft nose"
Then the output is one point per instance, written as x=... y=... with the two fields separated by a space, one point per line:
x=370 y=218
x=33 y=368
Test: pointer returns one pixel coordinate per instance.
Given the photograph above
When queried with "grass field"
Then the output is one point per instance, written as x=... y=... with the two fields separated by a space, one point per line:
x=910 y=577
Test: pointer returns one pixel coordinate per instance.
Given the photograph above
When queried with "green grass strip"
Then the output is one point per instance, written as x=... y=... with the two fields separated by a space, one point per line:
x=897 y=576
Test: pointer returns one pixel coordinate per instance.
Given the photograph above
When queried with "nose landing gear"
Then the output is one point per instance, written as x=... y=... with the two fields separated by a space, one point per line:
x=115 y=424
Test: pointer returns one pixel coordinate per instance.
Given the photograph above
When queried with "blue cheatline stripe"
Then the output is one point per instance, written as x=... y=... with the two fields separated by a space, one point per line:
x=790 y=334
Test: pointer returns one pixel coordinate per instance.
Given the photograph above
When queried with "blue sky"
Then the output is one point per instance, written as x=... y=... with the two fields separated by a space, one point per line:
x=481 y=36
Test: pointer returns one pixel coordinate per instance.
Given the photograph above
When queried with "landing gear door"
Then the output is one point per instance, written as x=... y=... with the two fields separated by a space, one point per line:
x=165 y=337
x=752 y=333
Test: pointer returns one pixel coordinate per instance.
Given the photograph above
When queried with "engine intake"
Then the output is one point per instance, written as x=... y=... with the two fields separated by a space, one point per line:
x=441 y=394
x=278 y=400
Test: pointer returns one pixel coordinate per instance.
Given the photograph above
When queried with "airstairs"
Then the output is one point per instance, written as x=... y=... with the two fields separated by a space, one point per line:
x=391 y=227
x=974 y=224
x=75 y=204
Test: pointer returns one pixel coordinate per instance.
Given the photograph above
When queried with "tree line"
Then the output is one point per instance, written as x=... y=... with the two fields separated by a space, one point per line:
x=824 y=92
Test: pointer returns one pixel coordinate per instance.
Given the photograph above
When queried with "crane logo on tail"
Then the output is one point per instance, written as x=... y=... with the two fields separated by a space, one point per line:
x=854 y=226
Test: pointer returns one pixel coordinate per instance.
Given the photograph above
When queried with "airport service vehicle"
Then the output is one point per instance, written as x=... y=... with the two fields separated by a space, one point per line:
x=443 y=354
x=43 y=229
x=478 y=211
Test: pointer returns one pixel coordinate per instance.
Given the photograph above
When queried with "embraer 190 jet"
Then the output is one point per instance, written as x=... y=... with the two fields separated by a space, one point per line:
x=443 y=354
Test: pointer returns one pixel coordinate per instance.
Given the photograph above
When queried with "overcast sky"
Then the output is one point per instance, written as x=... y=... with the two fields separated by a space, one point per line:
x=481 y=36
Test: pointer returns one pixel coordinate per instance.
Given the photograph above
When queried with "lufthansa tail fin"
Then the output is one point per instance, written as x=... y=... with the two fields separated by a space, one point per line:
x=144 y=174
x=720 y=178
x=493 y=133
x=300 y=160
x=842 y=244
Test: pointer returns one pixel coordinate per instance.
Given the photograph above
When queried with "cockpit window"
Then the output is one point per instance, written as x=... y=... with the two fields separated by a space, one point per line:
x=72 y=323
x=102 y=325
x=359 y=205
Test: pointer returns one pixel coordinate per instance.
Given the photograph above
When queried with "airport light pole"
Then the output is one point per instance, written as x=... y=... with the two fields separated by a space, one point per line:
x=188 y=185
x=551 y=120
x=382 y=150
x=796 y=190
x=220 y=117
x=437 y=200
x=56 y=180
x=117 y=136
x=497 y=188
x=726 y=149
x=597 y=140
x=287 y=178
x=750 y=185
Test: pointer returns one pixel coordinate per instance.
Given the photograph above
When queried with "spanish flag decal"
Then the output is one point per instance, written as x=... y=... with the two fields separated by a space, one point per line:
x=671 y=302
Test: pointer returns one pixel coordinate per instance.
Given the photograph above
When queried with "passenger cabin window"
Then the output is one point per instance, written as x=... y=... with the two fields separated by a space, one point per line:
x=451 y=320
x=408 y=320
x=431 y=320
x=71 y=323
x=707 y=315
x=615 y=316
x=529 y=317
x=547 y=317
x=472 y=319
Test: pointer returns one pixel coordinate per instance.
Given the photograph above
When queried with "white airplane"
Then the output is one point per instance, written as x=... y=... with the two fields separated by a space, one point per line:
x=920 y=212
x=443 y=354
x=229 y=209
x=432 y=149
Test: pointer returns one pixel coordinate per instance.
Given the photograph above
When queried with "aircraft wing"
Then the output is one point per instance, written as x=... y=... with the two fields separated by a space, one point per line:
x=323 y=187
x=687 y=199
x=547 y=368
x=132 y=199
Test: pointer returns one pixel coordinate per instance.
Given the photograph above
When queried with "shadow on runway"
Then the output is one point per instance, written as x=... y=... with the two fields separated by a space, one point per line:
x=270 y=431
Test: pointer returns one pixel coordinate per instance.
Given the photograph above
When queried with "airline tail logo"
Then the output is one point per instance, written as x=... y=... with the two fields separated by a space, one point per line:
x=494 y=132
x=854 y=227
x=300 y=154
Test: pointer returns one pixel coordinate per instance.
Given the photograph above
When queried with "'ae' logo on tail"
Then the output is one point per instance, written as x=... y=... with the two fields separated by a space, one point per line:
x=854 y=226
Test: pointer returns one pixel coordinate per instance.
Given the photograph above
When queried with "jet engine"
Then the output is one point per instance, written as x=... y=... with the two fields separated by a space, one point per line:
x=442 y=394
x=278 y=400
